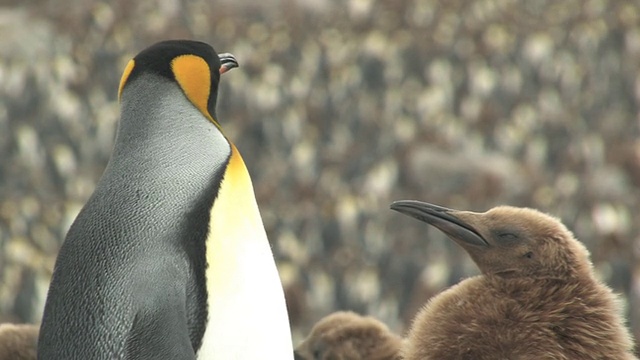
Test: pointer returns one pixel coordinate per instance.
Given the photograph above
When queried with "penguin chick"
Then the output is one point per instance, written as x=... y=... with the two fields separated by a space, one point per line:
x=345 y=335
x=18 y=341
x=169 y=258
x=537 y=296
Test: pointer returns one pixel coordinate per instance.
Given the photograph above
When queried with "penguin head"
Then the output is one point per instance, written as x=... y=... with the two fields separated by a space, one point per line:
x=193 y=65
x=507 y=241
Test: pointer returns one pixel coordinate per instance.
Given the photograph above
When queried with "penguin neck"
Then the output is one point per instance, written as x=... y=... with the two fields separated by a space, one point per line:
x=543 y=287
x=160 y=131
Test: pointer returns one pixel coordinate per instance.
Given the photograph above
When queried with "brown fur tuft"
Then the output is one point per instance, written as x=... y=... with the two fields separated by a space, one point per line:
x=537 y=297
x=18 y=342
x=345 y=335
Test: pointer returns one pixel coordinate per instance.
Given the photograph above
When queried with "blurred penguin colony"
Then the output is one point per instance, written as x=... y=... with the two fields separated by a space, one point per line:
x=340 y=108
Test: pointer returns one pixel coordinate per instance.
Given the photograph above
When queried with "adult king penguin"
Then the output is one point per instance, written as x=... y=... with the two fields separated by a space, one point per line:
x=169 y=258
x=537 y=296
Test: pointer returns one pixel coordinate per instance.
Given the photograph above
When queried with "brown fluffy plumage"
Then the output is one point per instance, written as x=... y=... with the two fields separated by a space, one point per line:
x=18 y=342
x=537 y=297
x=345 y=335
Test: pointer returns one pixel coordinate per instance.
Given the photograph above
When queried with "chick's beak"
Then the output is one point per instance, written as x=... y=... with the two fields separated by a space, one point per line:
x=442 y=218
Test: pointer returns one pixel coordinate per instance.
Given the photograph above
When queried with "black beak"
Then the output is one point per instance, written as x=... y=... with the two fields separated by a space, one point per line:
x=442 y=218
x=227 y=62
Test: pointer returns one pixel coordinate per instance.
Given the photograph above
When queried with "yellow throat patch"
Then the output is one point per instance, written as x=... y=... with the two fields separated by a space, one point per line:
x=125 y=76
x=194 y=76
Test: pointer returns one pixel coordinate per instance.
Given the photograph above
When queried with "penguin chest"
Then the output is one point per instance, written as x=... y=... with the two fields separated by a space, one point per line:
x=247 y=315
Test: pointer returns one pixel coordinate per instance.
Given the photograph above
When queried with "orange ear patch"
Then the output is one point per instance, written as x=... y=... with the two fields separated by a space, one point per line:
x=125 y=76
x=194 y=77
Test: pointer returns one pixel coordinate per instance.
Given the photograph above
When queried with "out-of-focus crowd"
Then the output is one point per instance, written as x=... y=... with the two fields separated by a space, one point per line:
x=339 y=108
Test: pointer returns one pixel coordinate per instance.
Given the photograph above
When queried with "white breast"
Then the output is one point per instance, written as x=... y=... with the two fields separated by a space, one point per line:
x=247 y=311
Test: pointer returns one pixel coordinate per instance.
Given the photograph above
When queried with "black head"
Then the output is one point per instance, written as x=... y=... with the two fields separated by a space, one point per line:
x=193 y=65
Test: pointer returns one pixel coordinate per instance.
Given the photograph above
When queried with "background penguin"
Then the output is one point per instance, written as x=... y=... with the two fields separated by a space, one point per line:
x=345 y=335
x=18 y=341
x=169 y=258
x=537 y=297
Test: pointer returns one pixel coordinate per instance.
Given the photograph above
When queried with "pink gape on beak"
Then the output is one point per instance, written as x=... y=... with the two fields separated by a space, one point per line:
x=227 y=62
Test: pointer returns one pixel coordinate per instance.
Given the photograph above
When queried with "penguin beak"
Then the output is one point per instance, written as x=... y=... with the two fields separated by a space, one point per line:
x=443 y=219
x=227 y=62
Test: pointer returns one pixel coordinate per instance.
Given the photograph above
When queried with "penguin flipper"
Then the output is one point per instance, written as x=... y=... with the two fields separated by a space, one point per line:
x=160 y=332
x=159 y=329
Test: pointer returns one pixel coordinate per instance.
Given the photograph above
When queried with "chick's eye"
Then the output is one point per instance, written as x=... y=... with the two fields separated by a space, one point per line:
x=508 y=236
x=529 y=255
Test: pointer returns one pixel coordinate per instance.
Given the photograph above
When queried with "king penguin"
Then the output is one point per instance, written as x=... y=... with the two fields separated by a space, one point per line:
x=169 y=258
x=537 y=296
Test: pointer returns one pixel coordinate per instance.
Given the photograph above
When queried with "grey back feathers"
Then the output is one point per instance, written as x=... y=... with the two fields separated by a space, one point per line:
x=134 y=259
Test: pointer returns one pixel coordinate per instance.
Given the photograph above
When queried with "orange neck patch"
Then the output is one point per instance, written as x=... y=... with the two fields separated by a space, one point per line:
x=194 y=76
x=125 y=76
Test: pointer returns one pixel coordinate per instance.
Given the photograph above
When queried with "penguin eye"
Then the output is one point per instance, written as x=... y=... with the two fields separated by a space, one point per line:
x=506 y=237
x=510 y=238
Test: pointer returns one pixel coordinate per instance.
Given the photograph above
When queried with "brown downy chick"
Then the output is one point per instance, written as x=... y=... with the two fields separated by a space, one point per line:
x=18 y=341
x=537 y=297
x=345 y=335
